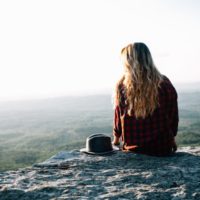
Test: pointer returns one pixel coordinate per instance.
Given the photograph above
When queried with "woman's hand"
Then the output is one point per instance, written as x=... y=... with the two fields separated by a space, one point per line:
x=116 y=141
x=174 y=145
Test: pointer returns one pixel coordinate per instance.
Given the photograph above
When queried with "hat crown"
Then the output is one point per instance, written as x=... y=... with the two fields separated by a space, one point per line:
x=98 y=143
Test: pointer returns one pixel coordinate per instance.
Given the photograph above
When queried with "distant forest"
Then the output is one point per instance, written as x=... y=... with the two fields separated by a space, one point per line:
x=32 y=131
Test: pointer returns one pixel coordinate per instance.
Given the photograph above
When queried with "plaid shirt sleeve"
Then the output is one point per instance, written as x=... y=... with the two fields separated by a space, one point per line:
x=172 y=108
x=117 y=130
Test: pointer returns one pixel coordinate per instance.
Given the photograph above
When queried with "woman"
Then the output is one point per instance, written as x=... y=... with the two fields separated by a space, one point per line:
x=146 y=111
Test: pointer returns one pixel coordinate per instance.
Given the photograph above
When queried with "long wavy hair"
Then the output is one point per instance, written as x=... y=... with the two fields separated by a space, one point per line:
x=140 y=81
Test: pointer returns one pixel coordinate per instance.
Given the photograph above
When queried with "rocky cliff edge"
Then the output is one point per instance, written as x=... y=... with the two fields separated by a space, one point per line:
x=74 y=175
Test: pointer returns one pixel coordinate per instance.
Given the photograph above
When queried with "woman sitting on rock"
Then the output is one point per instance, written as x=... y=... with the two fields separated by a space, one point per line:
x=146 y=111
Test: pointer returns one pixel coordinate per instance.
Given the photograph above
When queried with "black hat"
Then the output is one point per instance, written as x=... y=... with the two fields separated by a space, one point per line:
x=99 y=144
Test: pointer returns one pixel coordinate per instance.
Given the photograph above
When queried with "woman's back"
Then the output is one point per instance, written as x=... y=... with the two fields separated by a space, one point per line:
x=153 y=134
x=146 y=111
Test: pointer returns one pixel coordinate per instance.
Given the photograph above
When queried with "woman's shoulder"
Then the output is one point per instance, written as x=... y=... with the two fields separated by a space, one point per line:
x=167 y=86
x=165 y=81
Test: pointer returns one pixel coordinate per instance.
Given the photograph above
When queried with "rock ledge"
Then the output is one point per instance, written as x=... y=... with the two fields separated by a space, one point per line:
x=73 y=175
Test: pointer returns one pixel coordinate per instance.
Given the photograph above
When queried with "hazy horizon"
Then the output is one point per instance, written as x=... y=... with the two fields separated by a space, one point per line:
x=181 y=87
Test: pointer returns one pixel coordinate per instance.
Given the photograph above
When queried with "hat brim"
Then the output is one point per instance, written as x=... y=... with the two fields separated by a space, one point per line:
x=84 y=150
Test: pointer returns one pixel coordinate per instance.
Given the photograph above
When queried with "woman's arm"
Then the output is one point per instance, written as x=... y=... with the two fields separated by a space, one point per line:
x=117 y=126
x=173 y=110
x=173 y=114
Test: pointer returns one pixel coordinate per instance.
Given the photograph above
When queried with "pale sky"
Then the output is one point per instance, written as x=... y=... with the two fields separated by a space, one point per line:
x=56 y=48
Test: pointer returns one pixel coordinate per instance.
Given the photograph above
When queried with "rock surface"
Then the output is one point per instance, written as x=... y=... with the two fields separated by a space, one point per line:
x=74 y=175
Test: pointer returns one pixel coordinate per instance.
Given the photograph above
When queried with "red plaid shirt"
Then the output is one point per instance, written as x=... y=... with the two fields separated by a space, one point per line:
x=153 y=135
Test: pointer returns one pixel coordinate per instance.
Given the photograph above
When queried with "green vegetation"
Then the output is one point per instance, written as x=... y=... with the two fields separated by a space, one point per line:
x=32 y=131
x=188 y=139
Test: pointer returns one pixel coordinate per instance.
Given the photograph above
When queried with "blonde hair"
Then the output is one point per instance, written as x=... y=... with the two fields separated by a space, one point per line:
x=140 y=81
